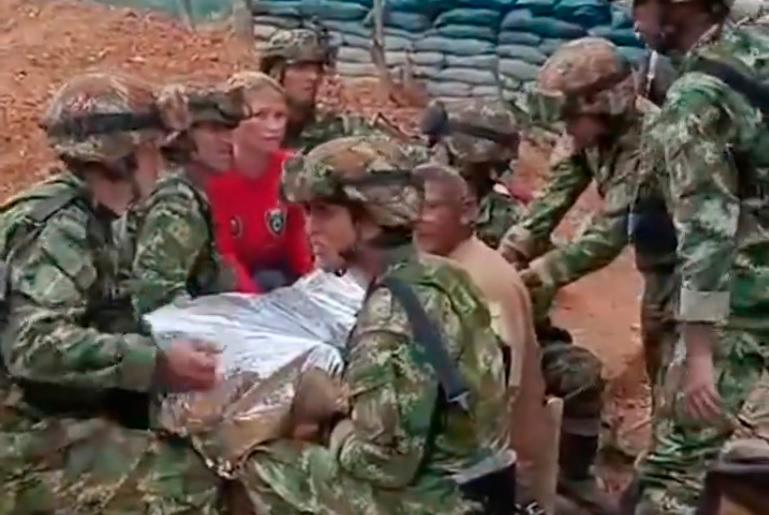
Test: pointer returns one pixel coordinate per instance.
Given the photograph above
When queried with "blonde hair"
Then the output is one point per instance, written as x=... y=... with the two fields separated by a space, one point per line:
x=254 y=82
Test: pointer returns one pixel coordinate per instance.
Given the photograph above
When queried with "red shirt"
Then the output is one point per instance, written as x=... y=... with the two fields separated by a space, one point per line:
x=255 y=229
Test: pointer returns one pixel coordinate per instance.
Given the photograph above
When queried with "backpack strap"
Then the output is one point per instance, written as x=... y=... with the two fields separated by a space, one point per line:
x=429 y=339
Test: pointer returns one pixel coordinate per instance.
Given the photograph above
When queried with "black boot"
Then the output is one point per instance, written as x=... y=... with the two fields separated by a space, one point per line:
x=576 y=480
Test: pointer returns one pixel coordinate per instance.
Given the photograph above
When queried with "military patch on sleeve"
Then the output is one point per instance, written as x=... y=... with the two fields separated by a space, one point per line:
x=276 y=221
x=236 y=227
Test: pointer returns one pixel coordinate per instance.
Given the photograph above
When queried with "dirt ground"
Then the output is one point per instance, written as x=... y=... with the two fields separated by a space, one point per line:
x=42 y=43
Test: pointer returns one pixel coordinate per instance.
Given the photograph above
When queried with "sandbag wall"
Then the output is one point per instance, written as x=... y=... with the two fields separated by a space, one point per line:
x=457 y=47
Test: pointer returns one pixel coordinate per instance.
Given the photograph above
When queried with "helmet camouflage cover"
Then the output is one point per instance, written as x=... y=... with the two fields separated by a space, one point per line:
x=584 y=76
x=296 y=46
x=476 y=131
x=77 y=122
x=372 y=172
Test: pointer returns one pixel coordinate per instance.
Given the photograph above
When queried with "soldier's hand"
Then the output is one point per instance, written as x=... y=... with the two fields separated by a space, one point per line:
x=188 y=366
x=702 y=401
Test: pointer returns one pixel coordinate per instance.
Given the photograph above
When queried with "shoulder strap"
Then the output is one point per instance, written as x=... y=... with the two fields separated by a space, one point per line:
x=39 y=214
x=429 y=338
x=48 y=207
x=756 y=92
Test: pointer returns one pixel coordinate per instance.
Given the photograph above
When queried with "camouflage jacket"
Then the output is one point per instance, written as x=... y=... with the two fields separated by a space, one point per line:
x=614 y=169
x=328 y=125
x=59 y=340
x=497 y=212
x=175 y=254
x=720 y=209
x=394 y=458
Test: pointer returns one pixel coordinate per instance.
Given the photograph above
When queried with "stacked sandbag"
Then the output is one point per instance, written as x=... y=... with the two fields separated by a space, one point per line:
x=619 y=30
x=529 y=33
x=465 y=37
x=458 y=48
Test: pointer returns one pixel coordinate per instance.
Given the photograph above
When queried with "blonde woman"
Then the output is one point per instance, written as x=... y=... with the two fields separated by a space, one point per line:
x=260 y=236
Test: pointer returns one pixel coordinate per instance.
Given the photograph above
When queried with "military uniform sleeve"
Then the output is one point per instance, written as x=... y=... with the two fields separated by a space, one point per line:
x=569 y=178
x=392 y=398
x=696 y=128
x=598 y=245
x=46 y=339
x=170 y=240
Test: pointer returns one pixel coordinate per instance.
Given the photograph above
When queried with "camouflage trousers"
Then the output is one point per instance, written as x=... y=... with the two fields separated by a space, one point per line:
x=573 y=373
x=93 y=466
x=671 y=477
x=658 y=325
x=292 y=478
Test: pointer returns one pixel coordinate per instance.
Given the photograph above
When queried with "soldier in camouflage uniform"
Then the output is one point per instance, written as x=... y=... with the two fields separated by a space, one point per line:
x=298 y=59
x=707 y=148
x=405 y=448
x=70 y=384
x=480 y=139
x=589 y=86
x=176 y=255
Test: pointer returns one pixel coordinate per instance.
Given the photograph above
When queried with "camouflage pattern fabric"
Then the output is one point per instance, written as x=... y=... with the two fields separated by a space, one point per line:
x=295 y=46
x=585 y=76
x=672 y=474
x=68 y=378
x=391 y=457
x=176 y=254
x=497 y=212
x=95 y=94
x=373 y=172
x=700 y=134
x=614 y=169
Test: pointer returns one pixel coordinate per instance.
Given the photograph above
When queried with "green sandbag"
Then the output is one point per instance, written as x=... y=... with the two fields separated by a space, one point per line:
x=468 y=75
x=621 y=17
x=490 y=92
x=531 y=55
x=348 y=28
x=439 y=89
x=436 y=59
x=333 y=10
x=494 y=5
x=550 y=45
x=350 y=54
x=620 y=37
x=279 y=22
x=537 y=7
x=277 y=8
x=518 y=69
x=521 y=20
x=411 y=22
x=633 y=54
x=390 y=43
x=586 y=13
x=518 y=37
x=356 y=69
x=426 y=72
x=464 y=32
x=478 y=17
x=454 y=46
x=477 y=62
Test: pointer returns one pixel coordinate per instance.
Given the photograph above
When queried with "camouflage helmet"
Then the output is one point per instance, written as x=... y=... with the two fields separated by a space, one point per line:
x=473 y=132
x=371 y=172
x=286 y=47
x=584 y=76
x=101 y=118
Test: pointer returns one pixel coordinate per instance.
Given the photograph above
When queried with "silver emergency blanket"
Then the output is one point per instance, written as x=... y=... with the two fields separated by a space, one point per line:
x=266 y=342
